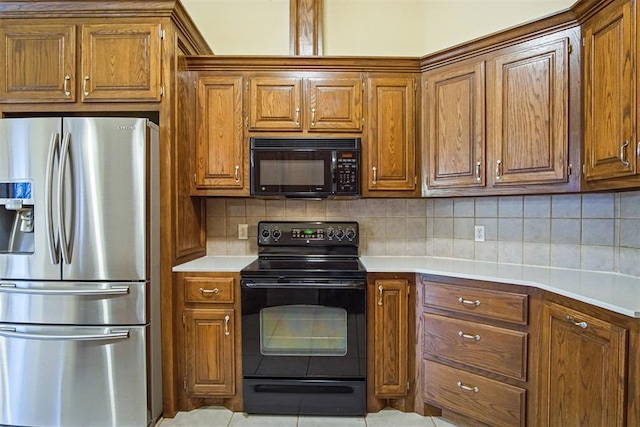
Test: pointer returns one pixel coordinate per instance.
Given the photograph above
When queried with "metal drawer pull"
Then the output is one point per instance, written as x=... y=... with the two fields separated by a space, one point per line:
x=84 y=86
x=298 y=117
x=226 y=325
x=466 y=387
x=583 y=324
x=313 y=117
x=469 y=337
x=67 y=92
x=375 y=175
x=380 y=290
x=623 y=154
x=209 y=291
x=498 y=165
x=236 y=173
x=478 y=172
x=468 y=302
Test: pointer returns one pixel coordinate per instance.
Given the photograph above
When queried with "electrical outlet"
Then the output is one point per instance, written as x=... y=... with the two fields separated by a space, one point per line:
x=479 y=233
x=243 y=231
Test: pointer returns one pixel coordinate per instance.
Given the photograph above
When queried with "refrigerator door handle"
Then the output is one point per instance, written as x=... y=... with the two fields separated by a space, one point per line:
x=64 y=156
x=11 y=288
x=54 y=147
x=113 y=334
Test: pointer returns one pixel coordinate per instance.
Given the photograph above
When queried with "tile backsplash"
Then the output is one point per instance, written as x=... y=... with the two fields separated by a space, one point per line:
x=599 y=231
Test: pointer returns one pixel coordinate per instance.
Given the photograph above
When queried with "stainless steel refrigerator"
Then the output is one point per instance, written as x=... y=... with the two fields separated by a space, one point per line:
x=79 y=272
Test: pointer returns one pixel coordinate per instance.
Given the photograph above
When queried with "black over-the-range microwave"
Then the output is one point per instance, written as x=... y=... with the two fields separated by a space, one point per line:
x=305 y=167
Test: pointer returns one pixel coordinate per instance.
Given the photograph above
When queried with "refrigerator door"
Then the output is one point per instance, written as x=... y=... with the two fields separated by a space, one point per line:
x=29 y=152
x=73 y=376
x=74 y=303
x=104 y=199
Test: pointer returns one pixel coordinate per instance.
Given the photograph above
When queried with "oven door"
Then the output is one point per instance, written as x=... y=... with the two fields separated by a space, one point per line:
x=297 y=173
x=304 y=331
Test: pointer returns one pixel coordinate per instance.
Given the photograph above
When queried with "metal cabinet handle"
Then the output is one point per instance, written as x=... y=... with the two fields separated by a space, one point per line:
x=298 y=117
x=623 y=154
x=478 y=171
x=209 y=291
x=638 y=150
x=375 y=175
x=498 y=168
x=469 y=337
x=468 y=302
x=313 y=117
x=226 y=325
x=466 y=387
x=84 y=86
x=236 y=173
x=582 y=324
x=380 y=290
x=67 y=92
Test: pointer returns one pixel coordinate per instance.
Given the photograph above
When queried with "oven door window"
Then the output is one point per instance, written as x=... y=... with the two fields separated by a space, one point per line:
x=303 y=330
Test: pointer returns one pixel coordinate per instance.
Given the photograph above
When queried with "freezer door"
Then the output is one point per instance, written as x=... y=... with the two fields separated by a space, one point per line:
x=29 y=152
x=74 y=303
x=104 y=165
x=74 y=376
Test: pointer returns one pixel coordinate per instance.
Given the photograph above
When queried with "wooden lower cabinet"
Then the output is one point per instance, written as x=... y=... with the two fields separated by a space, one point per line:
x=209 y=347
x=390 y=326
x=583 y=369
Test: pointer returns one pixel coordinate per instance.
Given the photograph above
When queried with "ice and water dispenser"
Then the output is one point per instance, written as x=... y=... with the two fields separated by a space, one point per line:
x=16 y=218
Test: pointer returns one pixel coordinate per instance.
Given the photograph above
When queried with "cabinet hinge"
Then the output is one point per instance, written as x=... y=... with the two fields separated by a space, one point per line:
x=162 y=34
x=161 y=90
x=363 y=85
x=184 y=383
x=570 y=48
x=415 y=86
x=195 y=84
x=408 y=290
x=246 y=86
x=195 y=180
x=246 y=121
x=184 y=316
x=584 y=169
x=408 y=386
x=415 y=180
x=584 y=41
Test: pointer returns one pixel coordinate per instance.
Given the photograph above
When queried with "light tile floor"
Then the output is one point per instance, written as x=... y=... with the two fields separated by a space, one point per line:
x=214 y=416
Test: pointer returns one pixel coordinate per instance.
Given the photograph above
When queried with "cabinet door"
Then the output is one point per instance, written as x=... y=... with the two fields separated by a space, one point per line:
x=528 y=114
x=390 y=337
x=455 y=126
x=334 y=104
x=220 y=143
x=583 y=369
x=121 y=62
x=609 y=93
x=210 y=352
x=37 y=63
x=276 y=103
x=391 y=135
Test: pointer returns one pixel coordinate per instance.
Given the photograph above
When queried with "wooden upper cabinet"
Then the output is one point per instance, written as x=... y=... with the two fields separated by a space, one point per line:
x=38 y=63
x=275 y=103
x=334 y=104
x=389 y=151
x=610 y=93
x=455 y=125
x=117 y=62
x=583 y=369
x=528 y=114
x=121 y=61
x=328 y=103
x=220 y=152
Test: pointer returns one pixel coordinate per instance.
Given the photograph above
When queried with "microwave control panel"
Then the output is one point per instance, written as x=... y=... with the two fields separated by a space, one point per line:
x=347 y=172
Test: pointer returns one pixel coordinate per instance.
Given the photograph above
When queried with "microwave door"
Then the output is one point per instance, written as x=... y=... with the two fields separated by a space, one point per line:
x=104 y=198
x=29 y=154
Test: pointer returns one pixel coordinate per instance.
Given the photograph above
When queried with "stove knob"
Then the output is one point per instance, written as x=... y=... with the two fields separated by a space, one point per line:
x=265 y=233
x=339 y=234
x=276 y=234
x=350 y=233
x=330 y=233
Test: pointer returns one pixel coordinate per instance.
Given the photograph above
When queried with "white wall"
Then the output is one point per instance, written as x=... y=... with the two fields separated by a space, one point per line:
x=362 y=27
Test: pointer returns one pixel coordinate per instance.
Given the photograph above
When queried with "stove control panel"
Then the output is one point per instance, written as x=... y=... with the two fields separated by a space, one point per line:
x=325 y=233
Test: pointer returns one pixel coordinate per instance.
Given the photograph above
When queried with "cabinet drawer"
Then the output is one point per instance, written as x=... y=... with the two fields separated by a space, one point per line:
x=497 y=305
x=209 y=289
x=482 y=346
x=483 y=399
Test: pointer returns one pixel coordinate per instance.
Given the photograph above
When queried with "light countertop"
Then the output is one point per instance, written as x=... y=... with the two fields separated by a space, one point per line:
x=615 y=292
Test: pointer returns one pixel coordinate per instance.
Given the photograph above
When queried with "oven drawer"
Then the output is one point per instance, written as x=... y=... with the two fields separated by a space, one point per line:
x=481 y=398
x=209 y=289
x=495 y=305
x=482 y=346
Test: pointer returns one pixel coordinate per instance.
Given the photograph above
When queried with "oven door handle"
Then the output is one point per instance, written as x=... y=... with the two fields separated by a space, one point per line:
x=308 y=285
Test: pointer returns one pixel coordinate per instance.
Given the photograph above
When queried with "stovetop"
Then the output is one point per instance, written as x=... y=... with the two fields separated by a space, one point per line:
x=314 y=250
